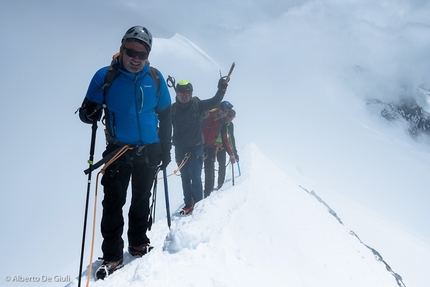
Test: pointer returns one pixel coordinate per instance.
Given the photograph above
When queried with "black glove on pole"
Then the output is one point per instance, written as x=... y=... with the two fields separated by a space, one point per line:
x=90 y=161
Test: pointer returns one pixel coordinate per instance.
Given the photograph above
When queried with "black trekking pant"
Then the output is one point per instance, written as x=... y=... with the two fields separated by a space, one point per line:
x=221 y=158
x=209 y=170
x=141 y=170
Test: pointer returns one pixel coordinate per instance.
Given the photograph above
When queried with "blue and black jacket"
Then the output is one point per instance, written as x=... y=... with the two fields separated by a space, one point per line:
x=135 y=112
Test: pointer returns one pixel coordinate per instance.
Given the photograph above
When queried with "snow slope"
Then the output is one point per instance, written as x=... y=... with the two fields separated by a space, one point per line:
x=265 y=230
x=304 y=69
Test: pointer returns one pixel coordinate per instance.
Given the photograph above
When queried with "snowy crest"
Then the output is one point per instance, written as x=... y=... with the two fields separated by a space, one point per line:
x=263 y=231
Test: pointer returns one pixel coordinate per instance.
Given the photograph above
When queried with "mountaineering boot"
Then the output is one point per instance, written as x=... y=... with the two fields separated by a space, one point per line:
x=187 y=210
x=139 y=250
x=107 y=268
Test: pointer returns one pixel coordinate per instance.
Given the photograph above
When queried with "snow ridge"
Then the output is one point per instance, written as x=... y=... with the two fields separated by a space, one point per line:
x=263 y=231
x=378 y=256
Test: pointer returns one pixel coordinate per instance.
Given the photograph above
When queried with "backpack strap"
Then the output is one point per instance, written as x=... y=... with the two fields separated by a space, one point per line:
x=155 y=75
x=111 y=75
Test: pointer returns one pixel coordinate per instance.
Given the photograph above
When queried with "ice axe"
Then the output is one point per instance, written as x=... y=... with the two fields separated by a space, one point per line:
x=227 y=79
x=171 y=82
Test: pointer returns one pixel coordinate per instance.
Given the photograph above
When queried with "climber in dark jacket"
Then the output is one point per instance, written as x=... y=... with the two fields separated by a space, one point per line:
x=188 y=113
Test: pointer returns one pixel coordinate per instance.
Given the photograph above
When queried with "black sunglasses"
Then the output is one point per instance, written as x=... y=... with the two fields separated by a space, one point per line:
x=132 y=53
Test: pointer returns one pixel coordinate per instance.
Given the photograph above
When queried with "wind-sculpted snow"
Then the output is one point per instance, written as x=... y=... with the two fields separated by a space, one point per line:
x=263 y=231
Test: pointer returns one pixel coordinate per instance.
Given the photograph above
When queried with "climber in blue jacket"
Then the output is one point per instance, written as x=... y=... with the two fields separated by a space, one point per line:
x=137 y=115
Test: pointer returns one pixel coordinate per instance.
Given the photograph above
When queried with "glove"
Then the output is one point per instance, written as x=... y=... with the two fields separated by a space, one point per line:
x=236 y=156
x=222 y=84
x=232 y=159
x=165 y=159
x=94 y=112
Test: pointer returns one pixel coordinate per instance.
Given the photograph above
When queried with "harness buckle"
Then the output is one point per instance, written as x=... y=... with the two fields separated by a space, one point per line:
x=140 y=149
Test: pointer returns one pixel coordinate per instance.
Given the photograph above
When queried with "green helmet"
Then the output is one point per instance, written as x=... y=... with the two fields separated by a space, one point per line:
x=184 y=86
x=139 y=33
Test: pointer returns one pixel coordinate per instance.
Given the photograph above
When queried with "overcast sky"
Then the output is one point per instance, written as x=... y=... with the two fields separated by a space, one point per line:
x=304 y=70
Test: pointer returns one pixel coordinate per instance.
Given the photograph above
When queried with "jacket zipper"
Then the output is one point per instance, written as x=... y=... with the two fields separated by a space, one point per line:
x=138 y=106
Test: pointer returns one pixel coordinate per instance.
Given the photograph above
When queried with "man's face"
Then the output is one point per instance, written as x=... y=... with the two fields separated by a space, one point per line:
x=184 y=97
x=221 y=113
x=134 y=56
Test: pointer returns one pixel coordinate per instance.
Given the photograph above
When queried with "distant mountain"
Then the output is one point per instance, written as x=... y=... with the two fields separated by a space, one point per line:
x=416 y=118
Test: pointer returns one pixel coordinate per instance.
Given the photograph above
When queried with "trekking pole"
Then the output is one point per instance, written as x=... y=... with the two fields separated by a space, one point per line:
x=166 y=195
x=154 y=201
x=93 y=234
x=232 y=173
x=90 y=162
